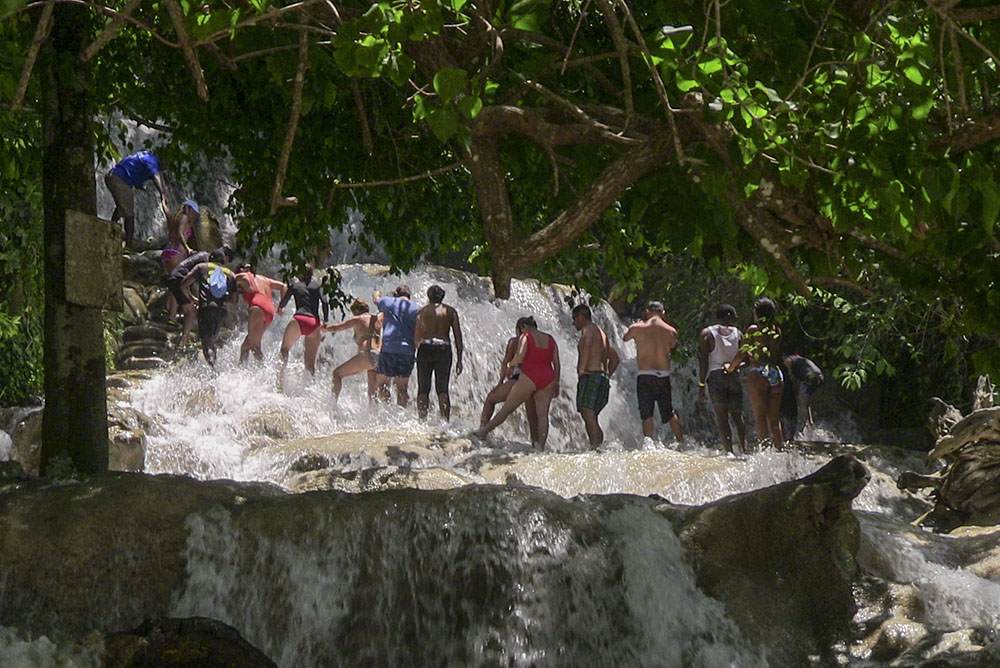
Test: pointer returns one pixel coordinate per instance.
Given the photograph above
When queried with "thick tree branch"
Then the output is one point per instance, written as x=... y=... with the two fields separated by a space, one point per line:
x=110 y=30
x=970 y=136
x=177 y=17
x=277 y=200
x=41 y=32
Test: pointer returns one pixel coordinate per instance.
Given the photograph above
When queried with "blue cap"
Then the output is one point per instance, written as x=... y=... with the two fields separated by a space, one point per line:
x=193 y=205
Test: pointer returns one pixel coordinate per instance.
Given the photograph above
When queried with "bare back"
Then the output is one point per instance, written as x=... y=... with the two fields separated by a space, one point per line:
x=592 y=349
x=654 y=340
x=434 y=322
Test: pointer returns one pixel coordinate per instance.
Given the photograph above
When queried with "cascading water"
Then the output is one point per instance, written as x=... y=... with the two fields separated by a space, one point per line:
x=480 y=575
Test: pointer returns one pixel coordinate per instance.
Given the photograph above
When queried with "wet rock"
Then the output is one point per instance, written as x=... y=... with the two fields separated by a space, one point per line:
x=143 y=363
x=12 y=470
x=126 y=449
x=376 y=479
x=785 y=553
x=137 y=268
x=144 y=349
x=144 y=332
x=27 y=442
x=983 y=425
x=183 y=643
x=942 y=418
x=135 y=306
x=970 y=490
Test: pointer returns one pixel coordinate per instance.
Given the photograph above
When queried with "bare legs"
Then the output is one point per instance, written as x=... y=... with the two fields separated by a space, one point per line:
x=499 y=394
x=357 y=364
x=649 y=428
x=523 y=390
x=256 y=325
x=292 y=334
x=765 y=400
x=722 y=417
x=593 y=426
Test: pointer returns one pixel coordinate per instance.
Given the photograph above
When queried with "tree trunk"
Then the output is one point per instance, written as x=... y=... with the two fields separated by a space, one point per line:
x=75 y=424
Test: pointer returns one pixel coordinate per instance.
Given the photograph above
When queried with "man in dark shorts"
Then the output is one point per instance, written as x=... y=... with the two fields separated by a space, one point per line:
x=596 y=361
x=432 y=335
x=396 y=358
x=654 y=341
x=717 y=346
x=216 y=287
x=174 y=285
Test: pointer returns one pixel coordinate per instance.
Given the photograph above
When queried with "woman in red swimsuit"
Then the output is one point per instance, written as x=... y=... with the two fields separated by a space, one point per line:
x=256 y=291
x=538 y=357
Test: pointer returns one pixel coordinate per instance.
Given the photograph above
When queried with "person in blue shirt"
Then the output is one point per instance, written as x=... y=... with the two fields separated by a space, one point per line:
x=398 y=352
x=134 y=171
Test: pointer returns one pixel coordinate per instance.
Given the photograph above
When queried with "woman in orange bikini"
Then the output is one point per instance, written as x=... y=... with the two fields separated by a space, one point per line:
x=538 y=357
x=256 y=291
x=367 y=330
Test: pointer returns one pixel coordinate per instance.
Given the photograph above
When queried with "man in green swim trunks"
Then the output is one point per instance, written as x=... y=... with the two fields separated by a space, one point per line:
x=596 y=361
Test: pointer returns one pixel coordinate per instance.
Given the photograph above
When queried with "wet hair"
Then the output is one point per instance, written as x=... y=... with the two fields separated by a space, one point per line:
x=435 y=293
x=725 y=312
x=226 y=252
x=763 y=308
x=584 y=309
x=359 y=306
x=528 y=321
x=245 y=266
x=402 y=291
x=218 y=256
x=655 y=307
x=521 y=322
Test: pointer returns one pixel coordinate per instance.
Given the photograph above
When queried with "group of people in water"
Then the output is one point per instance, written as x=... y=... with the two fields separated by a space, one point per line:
x=400 y=336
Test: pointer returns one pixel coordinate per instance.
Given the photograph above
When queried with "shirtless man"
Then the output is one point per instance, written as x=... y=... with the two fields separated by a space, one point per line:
x=367 y=329
x=431 y=335
x=596 y=361
x=654 y=340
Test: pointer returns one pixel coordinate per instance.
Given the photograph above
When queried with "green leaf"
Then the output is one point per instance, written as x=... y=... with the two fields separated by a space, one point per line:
x=991 y=204
x=444 y=123
x=449 y=83
x=469 y=106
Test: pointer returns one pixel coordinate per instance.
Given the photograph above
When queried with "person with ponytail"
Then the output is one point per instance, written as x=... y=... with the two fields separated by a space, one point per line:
x=760 y=353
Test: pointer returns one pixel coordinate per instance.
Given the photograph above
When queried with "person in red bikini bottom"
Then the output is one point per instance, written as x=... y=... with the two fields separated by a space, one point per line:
x=308 y=294
x=538 y=357
x=258 y=292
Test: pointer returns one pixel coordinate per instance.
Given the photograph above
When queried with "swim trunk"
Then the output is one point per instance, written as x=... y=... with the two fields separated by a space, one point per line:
x=307 y=324
x=210 y=322
x=654 y=391
x=395 y=365
x=433 y=357
x=592 y=391
x=769 y=372
x=725 y=388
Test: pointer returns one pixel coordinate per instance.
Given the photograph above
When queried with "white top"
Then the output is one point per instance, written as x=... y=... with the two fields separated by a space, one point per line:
x=727 y=344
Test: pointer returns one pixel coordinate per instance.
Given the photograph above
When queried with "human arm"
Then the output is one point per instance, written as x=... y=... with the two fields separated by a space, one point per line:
x=158 y=182
x=456 y=329
x=353 y=321
x=284 y=300
x=613 y=359
x=508 y=354
x=188 y=280
x=630 y=333
x=555 y=364
x=418 y=329
x=582 y=346
x=706 y=343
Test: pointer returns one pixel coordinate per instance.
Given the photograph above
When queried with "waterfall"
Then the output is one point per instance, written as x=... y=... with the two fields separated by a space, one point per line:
x=479 y=576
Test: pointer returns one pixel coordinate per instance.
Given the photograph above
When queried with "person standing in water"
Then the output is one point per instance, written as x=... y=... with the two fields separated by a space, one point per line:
x=761 y=352
x=508 y=377
x=258 y=292
x=178 y=275
x=596 y=361
x=538 y=356
x=805 y=377
x=216 y=289
x=717 y=346
x=654 y=340
x=309 y=296
x=435 y=324
x=367 y=330
x=396 y=359
x=180 y=227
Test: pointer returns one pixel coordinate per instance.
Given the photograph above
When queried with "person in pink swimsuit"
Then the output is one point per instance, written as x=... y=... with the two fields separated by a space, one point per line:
x=257 y=292
x=538 y=357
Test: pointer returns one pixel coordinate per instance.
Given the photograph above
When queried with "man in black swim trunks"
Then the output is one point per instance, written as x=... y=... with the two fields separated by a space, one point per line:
x=432 y=335
x=654 y=341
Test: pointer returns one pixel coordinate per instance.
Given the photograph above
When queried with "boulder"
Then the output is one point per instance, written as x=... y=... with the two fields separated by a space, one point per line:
x=137 y=268
x=135 y=307
x=784 y=553
x=982 y=425
x=194 y=642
